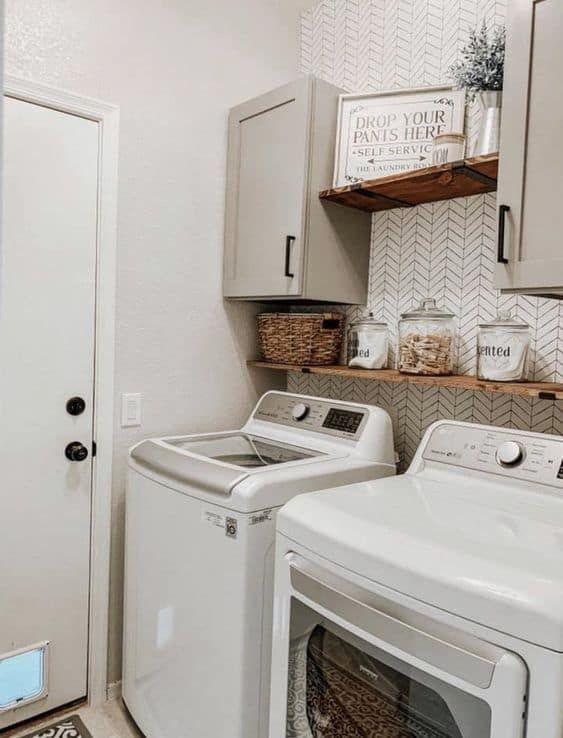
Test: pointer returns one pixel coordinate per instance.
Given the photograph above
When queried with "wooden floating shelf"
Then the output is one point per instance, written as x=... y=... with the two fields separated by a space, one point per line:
x=543 y=390
x=444 y=182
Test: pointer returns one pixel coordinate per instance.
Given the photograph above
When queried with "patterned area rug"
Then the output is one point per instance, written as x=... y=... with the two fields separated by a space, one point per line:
x=70 y=727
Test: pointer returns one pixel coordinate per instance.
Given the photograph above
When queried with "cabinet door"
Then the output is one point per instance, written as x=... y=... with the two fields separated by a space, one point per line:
x=530 y=257
x=266 y=193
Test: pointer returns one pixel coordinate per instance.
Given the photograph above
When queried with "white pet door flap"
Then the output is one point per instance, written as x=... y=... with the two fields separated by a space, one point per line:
x=23 y=676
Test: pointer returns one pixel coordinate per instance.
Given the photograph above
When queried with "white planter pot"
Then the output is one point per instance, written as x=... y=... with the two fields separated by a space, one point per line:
x=489 y=135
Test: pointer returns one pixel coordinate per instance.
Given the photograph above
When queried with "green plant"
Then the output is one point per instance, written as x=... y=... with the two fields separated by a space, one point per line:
x=481 y=67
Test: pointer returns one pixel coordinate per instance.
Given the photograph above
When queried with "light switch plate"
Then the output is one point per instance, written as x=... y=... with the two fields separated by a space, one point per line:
x=130 y=409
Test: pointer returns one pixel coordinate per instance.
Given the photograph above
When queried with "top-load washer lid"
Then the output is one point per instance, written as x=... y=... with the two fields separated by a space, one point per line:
x=217 y=462
x=243 y=450
x=487 y=551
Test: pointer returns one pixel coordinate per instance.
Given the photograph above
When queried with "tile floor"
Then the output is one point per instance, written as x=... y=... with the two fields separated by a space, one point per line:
x=109 y=721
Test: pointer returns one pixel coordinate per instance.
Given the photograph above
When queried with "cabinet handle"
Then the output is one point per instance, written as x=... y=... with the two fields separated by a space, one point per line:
x=288 y=241
x=502 y=212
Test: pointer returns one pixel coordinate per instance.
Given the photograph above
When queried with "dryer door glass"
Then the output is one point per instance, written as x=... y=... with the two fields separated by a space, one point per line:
x=342 y=687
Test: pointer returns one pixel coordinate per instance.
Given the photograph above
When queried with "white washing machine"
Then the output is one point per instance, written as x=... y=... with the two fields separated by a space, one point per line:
x=430 y=604
x=200 y=556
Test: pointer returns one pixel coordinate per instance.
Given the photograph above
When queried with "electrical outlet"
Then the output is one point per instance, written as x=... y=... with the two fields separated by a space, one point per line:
x=130 y=409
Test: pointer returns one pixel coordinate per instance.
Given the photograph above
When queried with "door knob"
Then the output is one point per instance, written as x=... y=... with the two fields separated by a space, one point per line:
x=76 y=451
x=75 y=406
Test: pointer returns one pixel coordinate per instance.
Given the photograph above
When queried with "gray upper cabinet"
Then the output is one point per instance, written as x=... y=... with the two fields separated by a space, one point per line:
x=530 y=248
x=281 y=242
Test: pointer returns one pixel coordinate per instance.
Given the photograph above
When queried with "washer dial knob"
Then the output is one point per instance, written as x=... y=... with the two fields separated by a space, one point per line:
x=300 y=411
x=509 y=453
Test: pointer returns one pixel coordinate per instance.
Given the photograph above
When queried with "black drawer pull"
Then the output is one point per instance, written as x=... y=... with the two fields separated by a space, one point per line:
x=288 y=241
x=502 y=213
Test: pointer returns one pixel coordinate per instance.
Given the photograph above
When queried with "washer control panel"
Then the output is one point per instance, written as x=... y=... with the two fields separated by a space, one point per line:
x=321 y=416
x=530 y=457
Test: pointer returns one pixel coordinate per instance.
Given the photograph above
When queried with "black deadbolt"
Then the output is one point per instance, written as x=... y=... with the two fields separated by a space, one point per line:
x=76 y=451
x=75 y=406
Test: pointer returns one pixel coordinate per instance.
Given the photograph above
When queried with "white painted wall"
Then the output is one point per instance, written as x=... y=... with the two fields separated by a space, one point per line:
x=174 y=67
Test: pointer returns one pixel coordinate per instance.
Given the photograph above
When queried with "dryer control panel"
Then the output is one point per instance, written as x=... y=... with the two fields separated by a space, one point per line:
x=518 y=455
x=320 y=416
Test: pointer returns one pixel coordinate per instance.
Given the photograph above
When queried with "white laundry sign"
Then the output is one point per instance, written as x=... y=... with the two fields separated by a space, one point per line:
x=388 y=133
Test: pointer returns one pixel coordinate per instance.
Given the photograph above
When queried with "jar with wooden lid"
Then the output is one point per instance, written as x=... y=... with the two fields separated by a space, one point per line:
x=427 y=340
x=368 y=344
x=503 y=347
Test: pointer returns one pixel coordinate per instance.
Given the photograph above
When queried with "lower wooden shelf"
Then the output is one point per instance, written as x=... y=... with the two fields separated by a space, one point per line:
x=543 y=390
x=405 y=190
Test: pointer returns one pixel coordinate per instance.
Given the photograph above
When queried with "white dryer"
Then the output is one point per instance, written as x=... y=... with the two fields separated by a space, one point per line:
x=430 y=604
x=200 y=523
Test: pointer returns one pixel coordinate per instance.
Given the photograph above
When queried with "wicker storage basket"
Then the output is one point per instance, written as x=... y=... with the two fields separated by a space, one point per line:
x=300 y=338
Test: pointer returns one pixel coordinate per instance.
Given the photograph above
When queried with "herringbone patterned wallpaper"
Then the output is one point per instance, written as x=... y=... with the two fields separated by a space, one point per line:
x=444 y=250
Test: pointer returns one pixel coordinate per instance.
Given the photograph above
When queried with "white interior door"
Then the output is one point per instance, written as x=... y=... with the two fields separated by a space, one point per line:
x=46 y=357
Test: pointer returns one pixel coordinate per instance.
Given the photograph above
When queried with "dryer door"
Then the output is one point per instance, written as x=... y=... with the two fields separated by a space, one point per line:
x=360 y=665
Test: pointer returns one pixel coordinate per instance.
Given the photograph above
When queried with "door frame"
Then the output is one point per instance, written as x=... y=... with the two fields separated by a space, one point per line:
x=107 y=117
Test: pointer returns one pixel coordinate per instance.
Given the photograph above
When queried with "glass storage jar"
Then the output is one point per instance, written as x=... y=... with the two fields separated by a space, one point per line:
x=427 y=340
x=368 y=344
x=503 y=347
